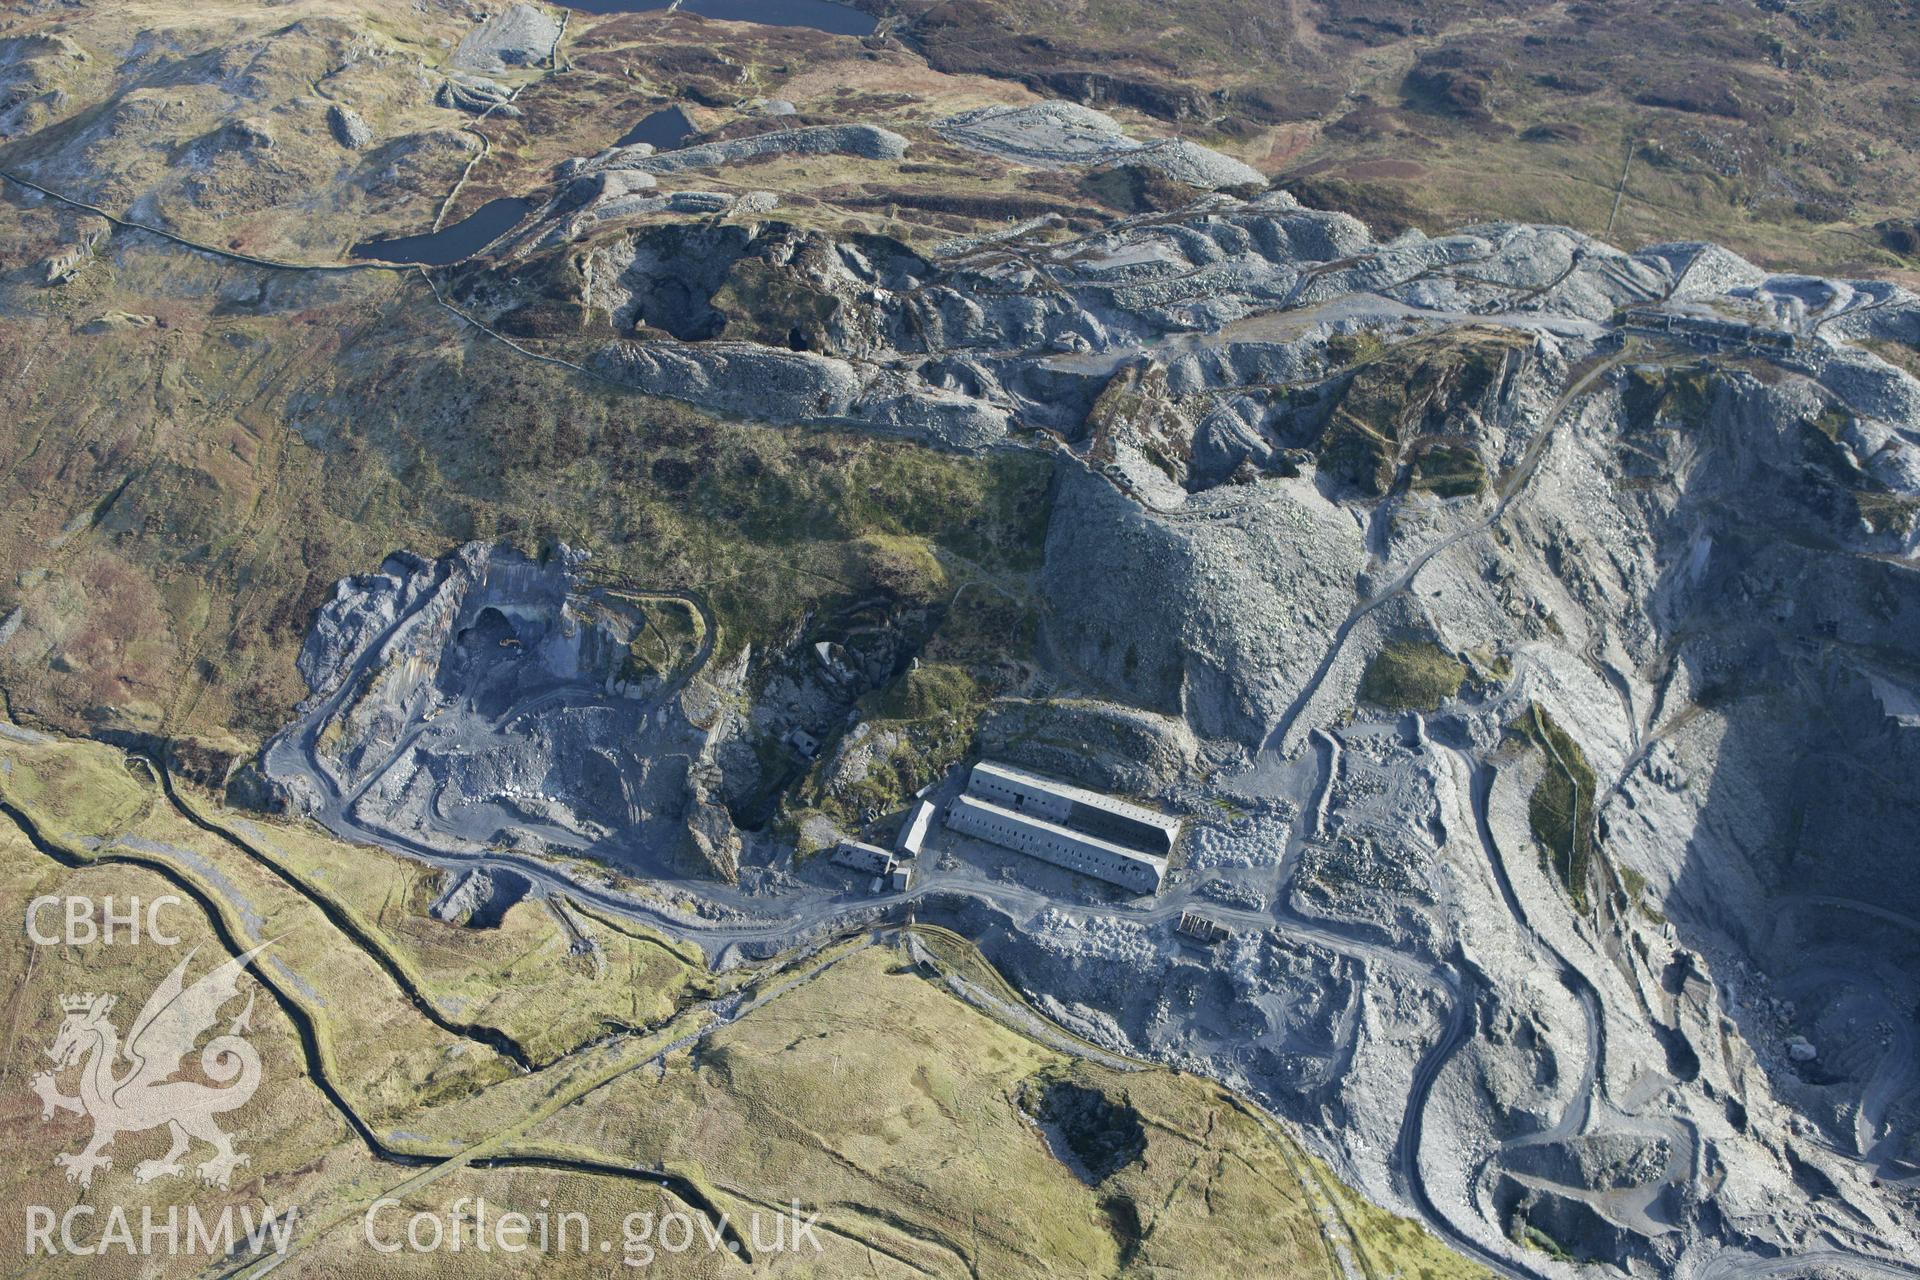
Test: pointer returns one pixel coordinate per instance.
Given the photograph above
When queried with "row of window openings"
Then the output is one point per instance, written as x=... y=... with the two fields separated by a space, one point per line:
x=1079 y=860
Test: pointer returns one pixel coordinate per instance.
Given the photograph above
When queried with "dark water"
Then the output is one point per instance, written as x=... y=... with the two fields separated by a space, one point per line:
x=666 y=129
x=821 y=15
x=450 y=244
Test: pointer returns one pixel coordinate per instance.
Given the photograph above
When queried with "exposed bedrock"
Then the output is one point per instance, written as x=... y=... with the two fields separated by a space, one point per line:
x=1523 y=627
x=1239 y=594
x=748 y=381
x=478 y=899
x=865 y=141
x=1102 y=745
x=489 y=700
x=1067 y=133
x=520 y=35
x=350 y=129
x=476 y=95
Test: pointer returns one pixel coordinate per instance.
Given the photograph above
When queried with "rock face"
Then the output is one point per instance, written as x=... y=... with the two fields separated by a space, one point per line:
x=74 y=258
x=476 y=95
x=350 y=130
x=488 y=700
x=1052 y=134
x=521 y=35
x=711 y=832
x=244 y=134
x=748 y=381
x=863 y=141
x=480 y=898
x=35 y=74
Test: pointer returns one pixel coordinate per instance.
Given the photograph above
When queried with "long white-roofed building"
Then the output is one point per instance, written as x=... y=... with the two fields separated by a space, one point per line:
x=1083 y=831
x=1051 y=842
x=914 y=833
x=1132 y=826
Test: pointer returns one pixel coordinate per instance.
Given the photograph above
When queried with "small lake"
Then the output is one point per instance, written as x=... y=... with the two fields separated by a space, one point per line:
x=821 y=15
x=450 y=244
x=666 y=129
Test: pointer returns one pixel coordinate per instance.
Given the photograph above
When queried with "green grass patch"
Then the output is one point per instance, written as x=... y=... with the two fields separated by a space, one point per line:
x=1448 y=471
x=904 y=566
x=1346 y=350
x=1659 y=396
x=1394 y=395
x=1560 y=811
x=669 y=634
x=913 y=730
x=78 y=790
x=1636 y=889
x=928 y=690
x=1411 y=675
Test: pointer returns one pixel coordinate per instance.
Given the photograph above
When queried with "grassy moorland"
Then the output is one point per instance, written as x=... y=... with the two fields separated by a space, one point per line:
x=1783 y=131
x=926 y=1131
x=189 y=488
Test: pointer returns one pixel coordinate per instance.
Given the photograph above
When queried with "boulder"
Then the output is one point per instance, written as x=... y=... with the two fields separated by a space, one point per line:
x=349 y=128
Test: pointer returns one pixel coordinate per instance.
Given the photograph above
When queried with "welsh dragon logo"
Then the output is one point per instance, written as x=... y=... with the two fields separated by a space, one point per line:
x=142 y=1094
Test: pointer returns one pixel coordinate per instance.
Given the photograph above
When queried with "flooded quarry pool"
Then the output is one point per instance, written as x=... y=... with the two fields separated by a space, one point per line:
x=666 y=129
x=450 y=244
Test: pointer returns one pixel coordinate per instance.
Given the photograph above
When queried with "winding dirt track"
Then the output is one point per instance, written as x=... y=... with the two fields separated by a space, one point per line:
x=815 y=919
x=1510 y=490
x=319 y=1054
x=494 y=1038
